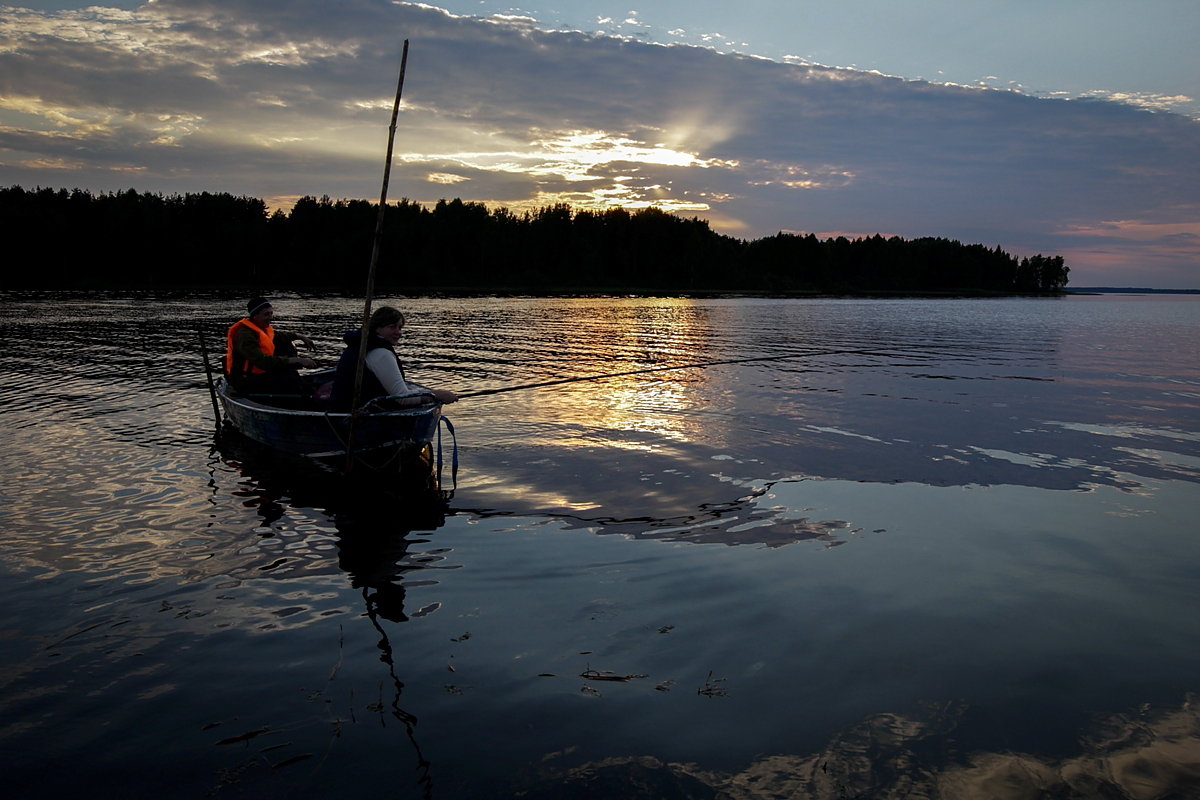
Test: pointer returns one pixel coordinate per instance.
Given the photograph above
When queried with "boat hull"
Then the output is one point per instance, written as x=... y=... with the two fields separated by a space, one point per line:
x=325 y=435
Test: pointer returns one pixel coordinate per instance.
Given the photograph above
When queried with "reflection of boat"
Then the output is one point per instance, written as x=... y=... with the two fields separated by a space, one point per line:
x=375 y=549
x=373 y=513
x=383 y=437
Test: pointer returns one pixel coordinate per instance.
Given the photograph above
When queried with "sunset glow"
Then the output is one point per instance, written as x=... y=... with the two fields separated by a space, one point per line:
x=699 y=112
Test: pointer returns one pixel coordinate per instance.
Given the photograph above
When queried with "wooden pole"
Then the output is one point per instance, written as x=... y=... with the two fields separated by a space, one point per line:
x=212 y=390
x=362 y=345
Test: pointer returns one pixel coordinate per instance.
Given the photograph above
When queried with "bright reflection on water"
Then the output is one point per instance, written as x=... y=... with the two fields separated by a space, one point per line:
x=838 y=548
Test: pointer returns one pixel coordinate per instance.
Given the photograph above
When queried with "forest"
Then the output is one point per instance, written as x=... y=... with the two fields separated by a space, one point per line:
x=78 y=239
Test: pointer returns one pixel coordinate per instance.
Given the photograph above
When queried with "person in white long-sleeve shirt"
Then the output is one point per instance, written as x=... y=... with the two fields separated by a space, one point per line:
x=383 y=375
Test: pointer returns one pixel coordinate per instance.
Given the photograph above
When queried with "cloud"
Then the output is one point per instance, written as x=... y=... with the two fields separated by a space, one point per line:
x=1157 y=247
x=278 y=99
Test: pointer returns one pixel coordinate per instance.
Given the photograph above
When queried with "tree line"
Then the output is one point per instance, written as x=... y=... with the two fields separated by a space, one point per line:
x=61 y=238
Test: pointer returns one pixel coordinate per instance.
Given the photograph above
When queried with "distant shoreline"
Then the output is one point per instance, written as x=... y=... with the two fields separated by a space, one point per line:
x=1125 y=290
x=236 y=290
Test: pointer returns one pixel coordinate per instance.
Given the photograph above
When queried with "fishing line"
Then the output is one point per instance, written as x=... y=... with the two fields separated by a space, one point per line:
x=696 y=365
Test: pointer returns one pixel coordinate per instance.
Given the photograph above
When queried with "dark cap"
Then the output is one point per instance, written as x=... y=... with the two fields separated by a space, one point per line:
x=256 y=304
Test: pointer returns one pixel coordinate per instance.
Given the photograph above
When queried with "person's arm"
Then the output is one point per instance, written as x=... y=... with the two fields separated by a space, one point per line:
x=288 y=336
x=383 y=364
x=245 y=343
x=286 y=350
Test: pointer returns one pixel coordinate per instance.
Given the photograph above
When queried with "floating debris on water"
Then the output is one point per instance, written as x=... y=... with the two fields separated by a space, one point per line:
x=607 y=675
x=711 y=687
x=243 y=737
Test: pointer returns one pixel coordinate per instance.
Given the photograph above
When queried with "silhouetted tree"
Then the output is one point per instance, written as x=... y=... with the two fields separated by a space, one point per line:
x=131 y=238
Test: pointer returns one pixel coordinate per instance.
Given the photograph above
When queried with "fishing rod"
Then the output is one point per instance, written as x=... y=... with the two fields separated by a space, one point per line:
x=645 y=370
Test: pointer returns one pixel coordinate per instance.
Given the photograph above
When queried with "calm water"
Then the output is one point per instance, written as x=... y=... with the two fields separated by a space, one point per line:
x=909 y=540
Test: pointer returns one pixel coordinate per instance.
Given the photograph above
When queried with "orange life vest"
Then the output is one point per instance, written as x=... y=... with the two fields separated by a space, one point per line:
x=236 y=366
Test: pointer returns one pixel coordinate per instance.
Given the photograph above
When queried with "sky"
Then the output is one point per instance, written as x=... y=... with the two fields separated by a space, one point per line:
x=1061 y=127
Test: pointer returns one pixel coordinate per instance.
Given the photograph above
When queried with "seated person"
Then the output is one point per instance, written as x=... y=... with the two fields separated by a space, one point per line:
x=260 y=360
x=382 y=373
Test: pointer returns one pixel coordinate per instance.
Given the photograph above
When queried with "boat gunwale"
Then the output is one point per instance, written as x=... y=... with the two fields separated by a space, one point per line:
x=227 y=396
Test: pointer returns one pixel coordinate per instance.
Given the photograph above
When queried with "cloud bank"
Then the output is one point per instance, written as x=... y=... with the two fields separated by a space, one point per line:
x=279 y=99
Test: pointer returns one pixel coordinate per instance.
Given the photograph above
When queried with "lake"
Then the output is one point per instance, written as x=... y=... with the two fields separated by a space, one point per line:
x=818 y=547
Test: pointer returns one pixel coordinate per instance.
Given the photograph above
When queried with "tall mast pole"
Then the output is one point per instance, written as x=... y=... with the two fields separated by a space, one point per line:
x=362 y=345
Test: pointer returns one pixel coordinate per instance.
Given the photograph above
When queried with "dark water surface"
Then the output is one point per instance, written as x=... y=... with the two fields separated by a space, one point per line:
x=948 y=544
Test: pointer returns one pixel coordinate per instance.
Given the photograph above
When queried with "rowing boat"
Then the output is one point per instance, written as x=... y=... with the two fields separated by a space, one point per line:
x=381 y=434
x=304 y=426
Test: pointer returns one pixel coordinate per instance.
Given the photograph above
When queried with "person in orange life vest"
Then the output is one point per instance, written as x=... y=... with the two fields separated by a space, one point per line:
x=260 y=359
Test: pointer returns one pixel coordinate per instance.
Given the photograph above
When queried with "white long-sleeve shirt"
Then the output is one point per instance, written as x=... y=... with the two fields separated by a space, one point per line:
x=382 y=363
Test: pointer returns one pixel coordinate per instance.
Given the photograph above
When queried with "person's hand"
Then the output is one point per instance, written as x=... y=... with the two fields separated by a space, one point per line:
x=305 y=361
x=444 y=395
x=308 y=342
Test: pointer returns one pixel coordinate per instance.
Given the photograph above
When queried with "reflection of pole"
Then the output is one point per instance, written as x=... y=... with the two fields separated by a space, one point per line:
x=408 y=720
x=362 y=346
